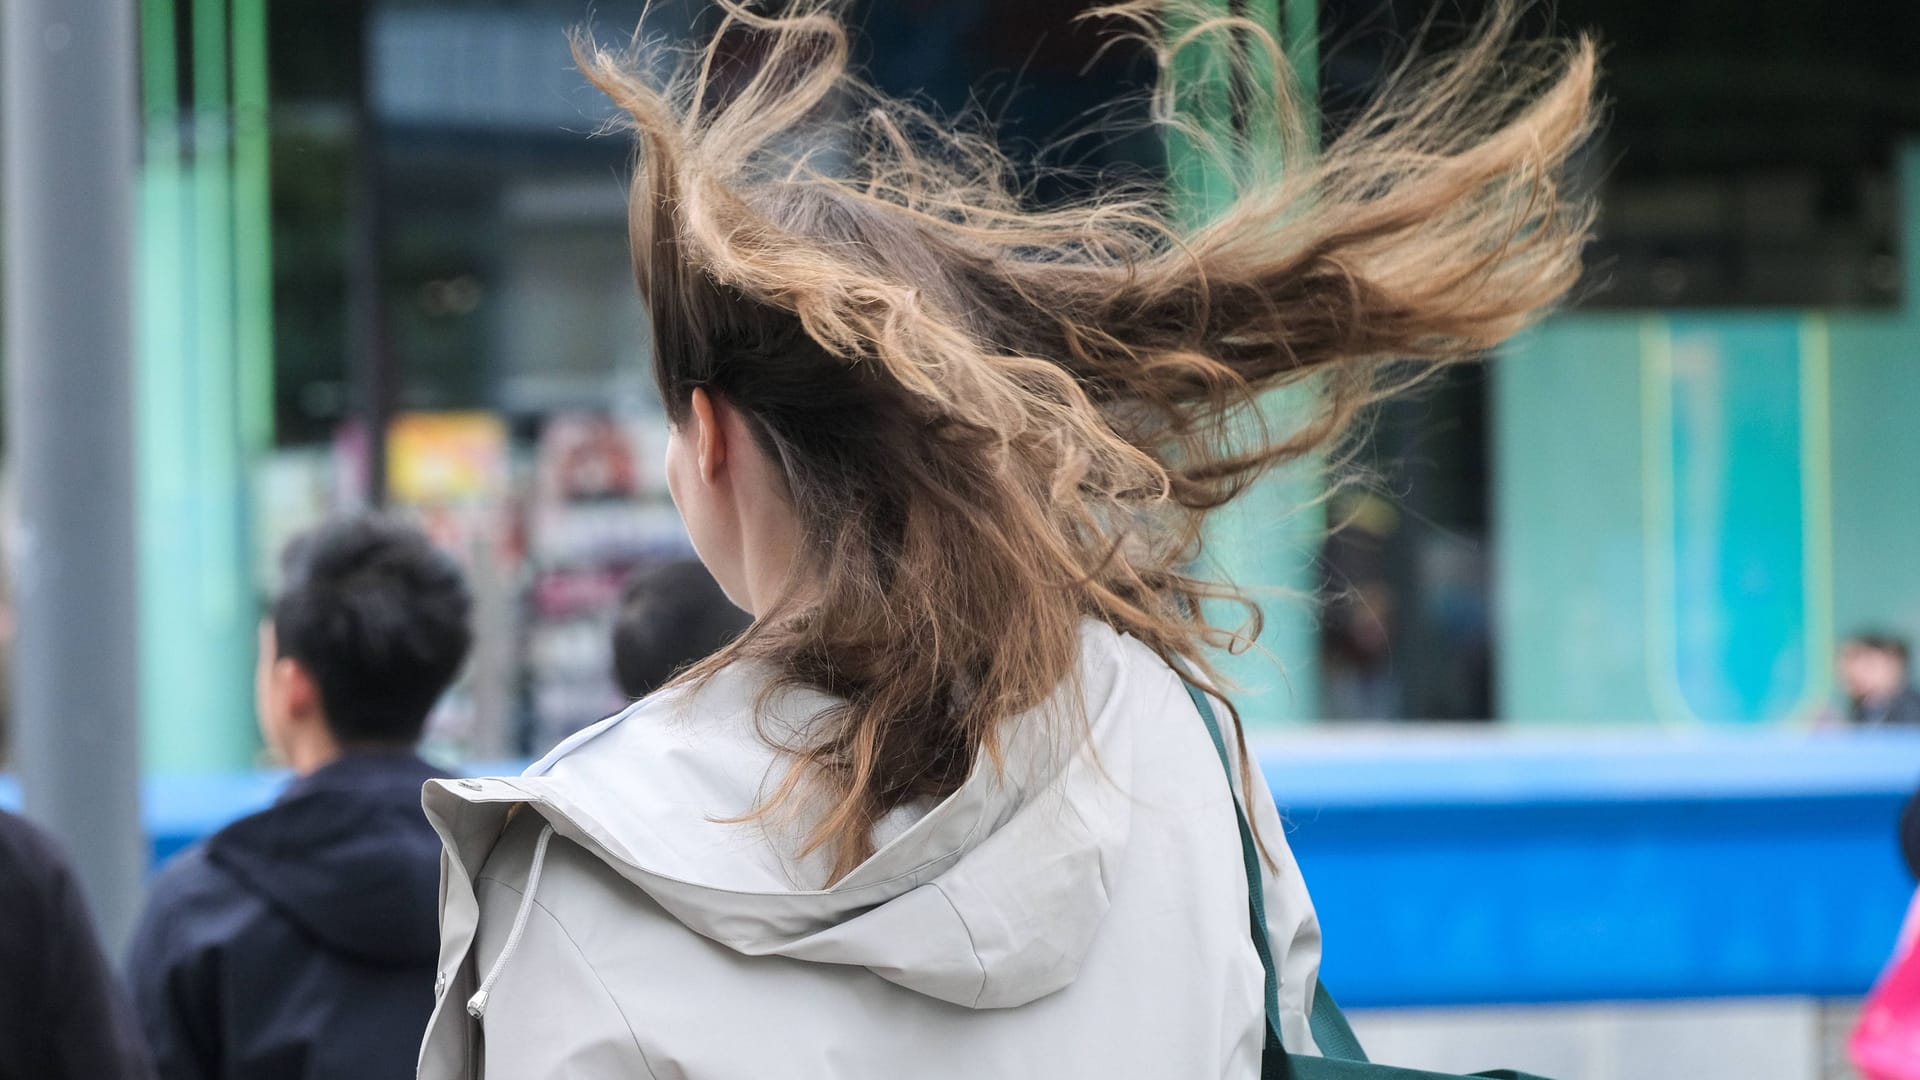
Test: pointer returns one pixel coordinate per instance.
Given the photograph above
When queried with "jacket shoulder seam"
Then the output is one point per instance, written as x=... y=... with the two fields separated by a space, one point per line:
x=585 y=960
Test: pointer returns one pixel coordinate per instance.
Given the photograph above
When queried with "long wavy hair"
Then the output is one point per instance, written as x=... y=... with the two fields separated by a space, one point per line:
x=996 y=420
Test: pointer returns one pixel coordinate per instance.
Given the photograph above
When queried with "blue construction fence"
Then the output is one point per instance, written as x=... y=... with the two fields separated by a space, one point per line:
x=1478 y=868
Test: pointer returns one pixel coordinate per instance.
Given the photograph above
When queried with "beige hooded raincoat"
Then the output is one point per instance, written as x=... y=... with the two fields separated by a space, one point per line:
x=1072 y=915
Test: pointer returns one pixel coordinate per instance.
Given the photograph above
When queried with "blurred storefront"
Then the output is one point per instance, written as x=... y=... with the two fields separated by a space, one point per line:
x=401 y=216
x=399 y=212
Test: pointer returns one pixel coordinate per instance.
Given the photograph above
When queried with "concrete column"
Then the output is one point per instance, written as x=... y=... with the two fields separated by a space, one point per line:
x=69 y=121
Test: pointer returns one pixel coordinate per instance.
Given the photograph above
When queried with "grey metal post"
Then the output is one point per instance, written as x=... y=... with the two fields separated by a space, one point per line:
x=372 y=373
x=69 y=123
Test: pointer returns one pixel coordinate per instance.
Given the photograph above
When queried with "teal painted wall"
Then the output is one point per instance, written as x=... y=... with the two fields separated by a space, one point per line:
x=1568 y=524
x=1876 y=459
x=1690 y=508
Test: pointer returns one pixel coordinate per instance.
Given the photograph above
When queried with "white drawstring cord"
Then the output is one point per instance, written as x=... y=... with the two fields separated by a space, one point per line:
x=477 y=1005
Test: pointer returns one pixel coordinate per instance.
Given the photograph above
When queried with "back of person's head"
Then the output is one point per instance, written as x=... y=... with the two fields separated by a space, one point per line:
x=1885 y=642
x=993 y=420
x=672 y=615
x=1873 y=666
x=378 y=617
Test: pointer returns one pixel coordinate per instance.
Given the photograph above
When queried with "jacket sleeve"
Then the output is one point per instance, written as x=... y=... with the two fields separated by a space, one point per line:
x=175 y=989
x=86 y=1024
x=1293 y=930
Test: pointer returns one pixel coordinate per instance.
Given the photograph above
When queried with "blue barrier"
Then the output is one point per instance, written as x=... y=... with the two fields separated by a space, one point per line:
x=1530 y=869
x=183 y=809
x=1479 y=868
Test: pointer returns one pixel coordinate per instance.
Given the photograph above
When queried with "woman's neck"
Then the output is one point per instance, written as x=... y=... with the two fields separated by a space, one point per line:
x=770 y=549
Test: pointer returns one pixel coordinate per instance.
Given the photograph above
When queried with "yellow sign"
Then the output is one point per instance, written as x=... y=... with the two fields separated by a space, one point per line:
x=446 y=457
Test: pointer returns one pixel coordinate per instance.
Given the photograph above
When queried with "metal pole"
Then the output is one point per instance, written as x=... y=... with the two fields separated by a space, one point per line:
x=69 y=125
x=372 y=373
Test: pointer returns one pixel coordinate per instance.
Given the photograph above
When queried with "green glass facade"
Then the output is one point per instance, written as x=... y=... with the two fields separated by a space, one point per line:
x=1690 y=508
x=204 y=375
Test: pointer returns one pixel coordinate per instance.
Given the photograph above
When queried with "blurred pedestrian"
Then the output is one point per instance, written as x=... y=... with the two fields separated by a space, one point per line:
x=1874 y=672
x=300 y=942
x=63 y=1016
x=951 y=808
x=672 y=615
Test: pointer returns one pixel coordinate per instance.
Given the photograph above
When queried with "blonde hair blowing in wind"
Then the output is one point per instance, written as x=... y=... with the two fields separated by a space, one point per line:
x=995 y=420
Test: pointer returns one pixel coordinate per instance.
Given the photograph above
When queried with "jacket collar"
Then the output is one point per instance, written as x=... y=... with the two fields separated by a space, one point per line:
x=364 y=770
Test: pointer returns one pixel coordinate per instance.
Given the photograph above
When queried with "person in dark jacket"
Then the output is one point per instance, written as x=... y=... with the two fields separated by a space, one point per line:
x=62 y=1014
x=1875 y=672
x=672 y=614
x=299 y=943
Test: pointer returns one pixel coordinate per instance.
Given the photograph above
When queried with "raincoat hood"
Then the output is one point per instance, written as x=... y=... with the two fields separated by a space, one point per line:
x=989 y=898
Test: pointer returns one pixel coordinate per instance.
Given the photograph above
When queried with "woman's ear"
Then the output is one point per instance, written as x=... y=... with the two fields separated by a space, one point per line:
x=709 y=441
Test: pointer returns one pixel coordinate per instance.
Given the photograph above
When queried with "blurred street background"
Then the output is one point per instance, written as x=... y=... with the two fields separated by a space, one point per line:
x=1553 y=710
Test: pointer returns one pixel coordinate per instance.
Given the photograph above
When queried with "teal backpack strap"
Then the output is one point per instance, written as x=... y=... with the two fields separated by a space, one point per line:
x=1340 y=1055
x=1273 y=1059
x=1331 y=1032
